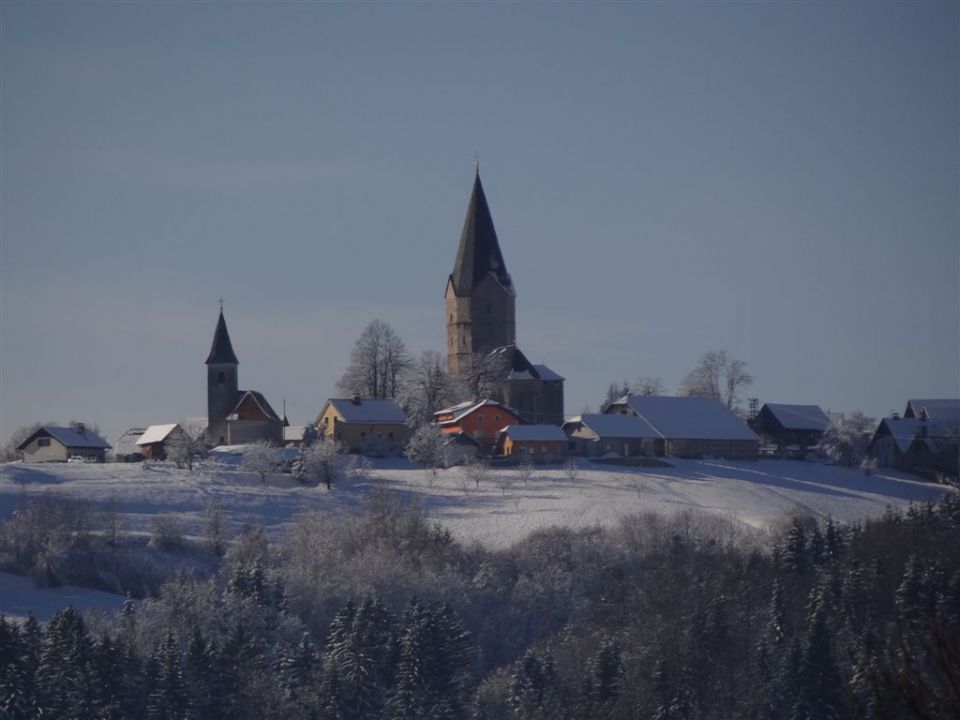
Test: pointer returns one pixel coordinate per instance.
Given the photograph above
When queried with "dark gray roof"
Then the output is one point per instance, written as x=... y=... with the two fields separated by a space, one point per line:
x=799 y=417
x=479 y=252
x=70 y=437
x=615 y=426
x=688 y=418
x=221 y=351
x=945 y=410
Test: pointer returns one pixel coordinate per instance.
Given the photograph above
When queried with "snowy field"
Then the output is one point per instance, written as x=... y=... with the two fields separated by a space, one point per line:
x=502 y=511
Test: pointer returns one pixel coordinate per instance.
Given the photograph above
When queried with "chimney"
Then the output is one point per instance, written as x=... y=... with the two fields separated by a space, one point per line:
x=355 y=400
x=81 y=429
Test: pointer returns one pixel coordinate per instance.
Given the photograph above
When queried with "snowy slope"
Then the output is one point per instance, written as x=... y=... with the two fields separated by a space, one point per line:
x=501 y=511
x=18 y=597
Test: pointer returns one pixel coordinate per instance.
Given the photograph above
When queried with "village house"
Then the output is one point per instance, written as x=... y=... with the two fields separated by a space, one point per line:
x=157 y=439
x=362 y=424
x=458 y=448
x=125 y=448
x=481 y=420
x=925 y=441
x=791 y=425
x=597 y=435
x=60 y=444
x=540 y=443
x=692 y=426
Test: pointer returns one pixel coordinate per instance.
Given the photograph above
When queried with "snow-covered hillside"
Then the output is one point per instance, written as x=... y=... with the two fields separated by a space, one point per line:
x=503 y=510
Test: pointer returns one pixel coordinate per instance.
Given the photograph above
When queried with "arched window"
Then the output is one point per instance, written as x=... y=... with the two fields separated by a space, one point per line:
x=221 y=378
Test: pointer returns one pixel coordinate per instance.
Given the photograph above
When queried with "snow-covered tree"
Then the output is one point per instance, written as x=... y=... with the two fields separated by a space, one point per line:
x=377 y=361
x=262 y=458
x=184 y=450
x=425 y=447
x=719 y=376
x=424 y=387
x=324 y=462
x=845 y=441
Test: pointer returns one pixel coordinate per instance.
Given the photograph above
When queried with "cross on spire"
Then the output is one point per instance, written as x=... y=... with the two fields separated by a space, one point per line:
x=221 y=304
x=476 y=163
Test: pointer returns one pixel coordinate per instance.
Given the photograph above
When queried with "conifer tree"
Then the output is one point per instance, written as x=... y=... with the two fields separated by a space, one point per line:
x=169 y=698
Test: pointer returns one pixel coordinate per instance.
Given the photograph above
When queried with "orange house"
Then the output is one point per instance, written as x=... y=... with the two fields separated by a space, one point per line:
x=481 y=420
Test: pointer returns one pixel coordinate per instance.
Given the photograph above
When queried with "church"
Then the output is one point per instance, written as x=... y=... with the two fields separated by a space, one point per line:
x=480 y=309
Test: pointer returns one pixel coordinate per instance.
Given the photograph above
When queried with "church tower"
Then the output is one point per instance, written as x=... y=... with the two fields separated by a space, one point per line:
x=222 y=387
x=480 y=298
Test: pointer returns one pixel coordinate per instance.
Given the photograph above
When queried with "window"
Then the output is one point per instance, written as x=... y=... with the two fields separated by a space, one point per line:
x=363 y=435
x=43 y=442
x=496 y=418
x=221 y=378
x=479 y=418
x=390 y=436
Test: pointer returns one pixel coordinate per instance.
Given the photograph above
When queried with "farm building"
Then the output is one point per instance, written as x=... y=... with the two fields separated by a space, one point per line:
x=925 y=440
x=458 y=448
x=59 y=444
x=156 y=440
x=692 y=426
x=125 y=449
x=785 y=425
x=482 y=420
x=362 y=424
x=546 y=443
x=596 y=435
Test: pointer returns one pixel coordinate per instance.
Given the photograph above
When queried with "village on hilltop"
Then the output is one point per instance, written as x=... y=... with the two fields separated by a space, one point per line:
x=491 y=402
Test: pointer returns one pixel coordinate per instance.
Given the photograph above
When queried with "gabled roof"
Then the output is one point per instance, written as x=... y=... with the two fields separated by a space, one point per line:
x=259 y=399
x=902 y=430
x=546 y=373
x=535 y=433
x=616 y=426
x=221 y=351
x=156 y=434
x=479 y=252
x=688 y=418
x=368 y=411
x=518 y=367
x=945 y=410
x=799 y=417
x=73 y=436
x=461 y=410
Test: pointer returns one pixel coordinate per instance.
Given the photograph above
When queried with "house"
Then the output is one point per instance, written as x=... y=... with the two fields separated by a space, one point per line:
x=596 y=435
x=692 y=426
x=125 y=448
x=235 y=416
x=59 y=444
x=785 y=425
x=293 y=435
x=362 y=424
x=926 y=440
x=482 y=420
x=156 y=439
x=480 y=311
x=546 y=443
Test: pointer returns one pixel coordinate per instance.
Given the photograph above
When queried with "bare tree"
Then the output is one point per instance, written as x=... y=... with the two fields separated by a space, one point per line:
x=377 y=361
x=648 y=385
x=477 y=469
x=717 y=376
x=483 y=377
x=9 y=452
x=261 y=458
x=424 y=386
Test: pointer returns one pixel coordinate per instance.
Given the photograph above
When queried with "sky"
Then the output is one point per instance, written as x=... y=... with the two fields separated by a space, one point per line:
x=776 y=180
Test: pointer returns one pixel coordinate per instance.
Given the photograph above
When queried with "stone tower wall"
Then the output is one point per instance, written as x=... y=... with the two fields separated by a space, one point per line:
x=478 y=322
x=221 y=399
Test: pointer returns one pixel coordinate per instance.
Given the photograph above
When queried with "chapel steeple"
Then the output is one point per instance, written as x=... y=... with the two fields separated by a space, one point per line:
x=480 y=298
x=221 y=351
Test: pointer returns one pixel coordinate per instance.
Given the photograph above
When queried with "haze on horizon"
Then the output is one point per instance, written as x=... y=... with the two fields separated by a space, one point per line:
x=780 y=181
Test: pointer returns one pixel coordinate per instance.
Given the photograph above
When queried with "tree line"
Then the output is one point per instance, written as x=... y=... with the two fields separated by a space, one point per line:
x=385 y=615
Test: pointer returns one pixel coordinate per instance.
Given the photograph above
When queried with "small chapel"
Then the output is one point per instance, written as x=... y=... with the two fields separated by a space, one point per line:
x=480 y=308
x=235 y=416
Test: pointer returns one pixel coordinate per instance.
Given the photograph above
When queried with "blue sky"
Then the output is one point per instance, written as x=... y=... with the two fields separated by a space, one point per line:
x=777 y=180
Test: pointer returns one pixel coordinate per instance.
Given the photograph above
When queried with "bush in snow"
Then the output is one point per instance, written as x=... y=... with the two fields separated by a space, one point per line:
x=167 y=532
x=261 y=458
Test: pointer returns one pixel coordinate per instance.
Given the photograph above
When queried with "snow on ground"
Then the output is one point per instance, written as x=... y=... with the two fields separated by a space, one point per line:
x=502 y=511
x=19 y=597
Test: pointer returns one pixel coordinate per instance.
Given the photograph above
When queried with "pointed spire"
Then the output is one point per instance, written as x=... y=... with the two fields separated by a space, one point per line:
x=222 y=350
x=479 y=252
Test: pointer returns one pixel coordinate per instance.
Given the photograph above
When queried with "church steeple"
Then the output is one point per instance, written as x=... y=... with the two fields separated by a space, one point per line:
x=222 y=350
x=479 y=252
x=480 y=299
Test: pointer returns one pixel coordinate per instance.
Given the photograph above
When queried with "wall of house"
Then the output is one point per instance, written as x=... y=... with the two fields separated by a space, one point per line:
x=36 y=453
x=539 y=402
x=731 y=449
x=241 y=432
x=353 y=435
x=484 y=425
x=542 y=450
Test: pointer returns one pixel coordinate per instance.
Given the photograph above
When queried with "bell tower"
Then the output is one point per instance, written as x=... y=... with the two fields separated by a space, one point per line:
x=480 y=300
x=222 y=387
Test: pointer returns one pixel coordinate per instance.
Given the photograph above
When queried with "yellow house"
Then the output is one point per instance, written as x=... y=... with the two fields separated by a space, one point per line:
x=363 y=425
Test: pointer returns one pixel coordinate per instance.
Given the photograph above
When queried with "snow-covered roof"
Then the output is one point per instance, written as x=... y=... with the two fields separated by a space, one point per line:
x=799 y=417
x=546 y=373
x=902 y=430
x=461 y=410
x=689 y=418
x=945 y=410
x=156 y=433
x=73 y=436
x=369 y=411
x=616 y=426
x=293 y=433
x=535 y=433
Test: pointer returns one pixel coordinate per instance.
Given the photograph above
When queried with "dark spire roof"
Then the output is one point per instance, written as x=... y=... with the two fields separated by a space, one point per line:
x=479 y=252
x=221 y=351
